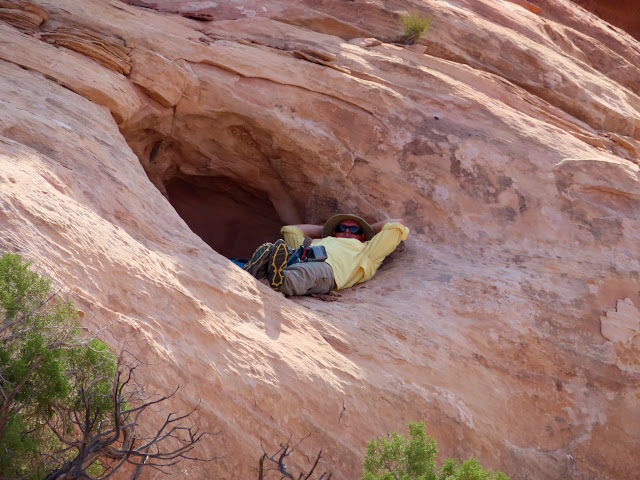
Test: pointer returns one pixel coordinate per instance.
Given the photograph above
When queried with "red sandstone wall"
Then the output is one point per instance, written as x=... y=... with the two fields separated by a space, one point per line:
x=621 y=13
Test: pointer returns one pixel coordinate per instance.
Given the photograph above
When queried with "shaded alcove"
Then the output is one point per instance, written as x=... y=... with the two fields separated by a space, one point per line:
x=227 y=215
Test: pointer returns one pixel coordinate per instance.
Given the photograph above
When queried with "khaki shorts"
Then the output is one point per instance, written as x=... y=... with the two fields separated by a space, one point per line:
x=306 y=278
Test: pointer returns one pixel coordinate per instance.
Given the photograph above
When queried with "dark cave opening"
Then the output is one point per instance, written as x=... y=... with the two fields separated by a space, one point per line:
x=232 y=218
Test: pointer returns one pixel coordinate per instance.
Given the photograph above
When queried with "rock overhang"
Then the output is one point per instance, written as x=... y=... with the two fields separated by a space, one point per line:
x=493 y=305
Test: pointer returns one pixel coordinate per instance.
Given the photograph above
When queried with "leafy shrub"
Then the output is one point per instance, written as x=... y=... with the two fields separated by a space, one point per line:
x=414 y=27
x=43 y=364
x=399 y=458
x=68 y=407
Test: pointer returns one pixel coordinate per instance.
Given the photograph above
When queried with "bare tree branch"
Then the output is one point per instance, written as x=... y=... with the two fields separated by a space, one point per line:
x=278 y=458
x=119 y=441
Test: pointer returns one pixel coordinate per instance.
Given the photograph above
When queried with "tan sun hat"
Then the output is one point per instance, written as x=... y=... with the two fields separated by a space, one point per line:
x=333 y=222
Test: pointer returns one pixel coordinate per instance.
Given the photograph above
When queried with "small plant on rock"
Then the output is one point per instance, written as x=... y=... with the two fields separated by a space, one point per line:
x=399 y=458
x=415 y=25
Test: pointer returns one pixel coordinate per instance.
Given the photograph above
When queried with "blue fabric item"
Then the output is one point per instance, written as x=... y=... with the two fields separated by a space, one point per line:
x=241 y=262
x=295 y=256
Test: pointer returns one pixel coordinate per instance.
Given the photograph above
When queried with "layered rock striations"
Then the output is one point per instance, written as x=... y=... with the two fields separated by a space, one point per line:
x=624 y=14
x=141 y=141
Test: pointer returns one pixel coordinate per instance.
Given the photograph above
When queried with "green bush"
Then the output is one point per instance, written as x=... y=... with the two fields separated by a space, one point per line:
x=68 y=407
x=45 y=367
x=399 y=458
x=414 y=26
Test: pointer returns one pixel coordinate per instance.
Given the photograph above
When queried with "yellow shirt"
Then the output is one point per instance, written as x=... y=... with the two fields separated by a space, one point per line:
x=351 y=260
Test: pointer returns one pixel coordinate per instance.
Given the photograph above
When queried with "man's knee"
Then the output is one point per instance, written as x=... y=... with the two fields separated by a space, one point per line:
x=307 y=278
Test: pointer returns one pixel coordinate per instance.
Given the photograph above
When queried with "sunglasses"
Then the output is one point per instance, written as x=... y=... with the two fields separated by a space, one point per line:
x=353 y=229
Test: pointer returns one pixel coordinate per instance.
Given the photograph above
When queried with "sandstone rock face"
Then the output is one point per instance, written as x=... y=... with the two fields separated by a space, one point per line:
x=139 y=144
x=623 y=324
x=624 y=14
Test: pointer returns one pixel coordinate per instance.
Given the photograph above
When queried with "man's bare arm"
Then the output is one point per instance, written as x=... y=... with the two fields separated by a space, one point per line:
x=313 y=231
x=378 y=226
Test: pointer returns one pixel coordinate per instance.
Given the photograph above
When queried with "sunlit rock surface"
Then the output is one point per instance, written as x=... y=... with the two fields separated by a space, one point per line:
x=141 y=141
